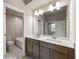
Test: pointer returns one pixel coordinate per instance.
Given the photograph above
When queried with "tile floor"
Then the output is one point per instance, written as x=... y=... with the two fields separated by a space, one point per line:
x=15 y=53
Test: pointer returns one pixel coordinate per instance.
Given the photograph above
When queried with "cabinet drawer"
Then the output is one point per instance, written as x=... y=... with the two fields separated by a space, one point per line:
x=46 y=44
x=32 y=40
x=54 y=47
x=35 y=41
x=28 y=39
x=61 y=49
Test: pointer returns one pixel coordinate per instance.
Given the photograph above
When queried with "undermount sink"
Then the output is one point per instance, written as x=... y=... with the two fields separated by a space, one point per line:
x=50 y=39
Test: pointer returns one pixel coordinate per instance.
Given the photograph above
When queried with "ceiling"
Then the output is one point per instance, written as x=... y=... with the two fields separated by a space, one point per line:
x=34 y=4
x=37 y=3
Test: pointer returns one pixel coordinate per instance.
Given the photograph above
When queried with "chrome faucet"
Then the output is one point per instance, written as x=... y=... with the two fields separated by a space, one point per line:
x=38 y=34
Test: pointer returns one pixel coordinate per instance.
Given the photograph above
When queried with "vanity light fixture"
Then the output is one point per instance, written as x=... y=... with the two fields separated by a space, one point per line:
x=51 y=8
x=41 y=12
x=36 y=13
x=58 y=5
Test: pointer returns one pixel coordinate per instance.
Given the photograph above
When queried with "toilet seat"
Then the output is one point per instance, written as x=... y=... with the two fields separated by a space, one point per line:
x=10 y=44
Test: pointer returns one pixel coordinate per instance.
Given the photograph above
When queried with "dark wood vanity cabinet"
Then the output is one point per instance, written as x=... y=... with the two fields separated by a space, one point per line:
x=32 y=48
x=43 y=50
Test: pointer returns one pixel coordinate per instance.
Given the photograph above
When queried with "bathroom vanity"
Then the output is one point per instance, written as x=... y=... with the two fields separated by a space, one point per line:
x=38 y=49
x=53 y=22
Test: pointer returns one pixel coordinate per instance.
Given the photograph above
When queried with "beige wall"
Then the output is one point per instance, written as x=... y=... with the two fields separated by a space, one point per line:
x=28 y=23
x=14 y=26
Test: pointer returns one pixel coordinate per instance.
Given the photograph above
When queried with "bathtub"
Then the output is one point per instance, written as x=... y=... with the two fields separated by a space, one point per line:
x=19 y=42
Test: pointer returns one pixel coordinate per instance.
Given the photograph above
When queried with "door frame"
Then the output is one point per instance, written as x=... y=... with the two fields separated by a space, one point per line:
x=7 y=5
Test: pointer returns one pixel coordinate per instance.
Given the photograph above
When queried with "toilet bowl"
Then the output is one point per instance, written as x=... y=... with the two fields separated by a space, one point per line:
x=9 y=42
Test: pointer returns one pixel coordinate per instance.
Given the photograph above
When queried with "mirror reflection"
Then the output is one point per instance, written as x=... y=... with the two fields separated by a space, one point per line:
x=52 y=22
x=55 y=22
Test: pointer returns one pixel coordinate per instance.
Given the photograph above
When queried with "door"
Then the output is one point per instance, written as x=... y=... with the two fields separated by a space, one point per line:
x=35 y=51
x=44 y=53
x=58 y=55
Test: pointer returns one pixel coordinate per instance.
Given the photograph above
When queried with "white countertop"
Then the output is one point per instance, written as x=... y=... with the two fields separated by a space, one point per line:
x=62 y=42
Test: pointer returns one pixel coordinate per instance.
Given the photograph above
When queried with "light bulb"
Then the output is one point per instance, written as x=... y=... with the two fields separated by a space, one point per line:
x=41 y=12
x=50 y=8
x=36 y=13
x=58 y=5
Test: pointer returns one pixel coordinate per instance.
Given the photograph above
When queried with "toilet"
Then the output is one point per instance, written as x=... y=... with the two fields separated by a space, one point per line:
x=9 y=42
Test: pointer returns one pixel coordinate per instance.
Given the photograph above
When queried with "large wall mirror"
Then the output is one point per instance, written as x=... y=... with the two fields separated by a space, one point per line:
x=53 y=19
x=55 y=22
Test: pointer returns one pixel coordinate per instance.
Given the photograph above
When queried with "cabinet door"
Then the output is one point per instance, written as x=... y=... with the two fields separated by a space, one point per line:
x=44 y=53
x=71 y=53
x=29 y=48
x=35 y=51
x=58 y=55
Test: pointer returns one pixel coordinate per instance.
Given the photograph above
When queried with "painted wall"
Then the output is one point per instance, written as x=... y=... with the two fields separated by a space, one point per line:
x=28 y=23
x=38 y=25
x=72 y=20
